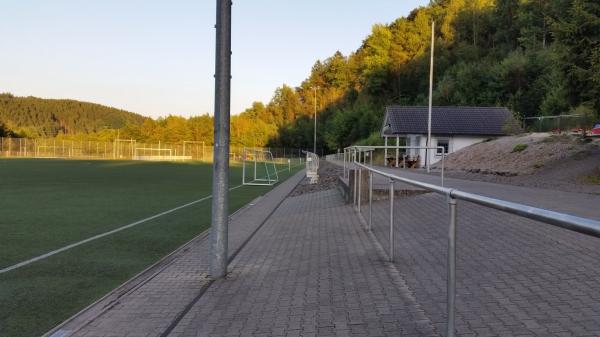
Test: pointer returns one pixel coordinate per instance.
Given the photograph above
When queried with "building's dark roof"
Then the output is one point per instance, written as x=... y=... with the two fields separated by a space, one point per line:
x=445 y=120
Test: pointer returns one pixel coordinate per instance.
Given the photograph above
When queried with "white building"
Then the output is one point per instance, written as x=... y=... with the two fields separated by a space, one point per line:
x=453 y=128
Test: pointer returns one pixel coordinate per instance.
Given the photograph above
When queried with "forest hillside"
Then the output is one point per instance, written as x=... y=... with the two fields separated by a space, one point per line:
x=37 y=117
x=536 y=57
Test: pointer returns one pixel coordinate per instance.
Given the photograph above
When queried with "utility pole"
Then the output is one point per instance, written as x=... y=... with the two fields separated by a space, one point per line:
x=315 y=133
x=220 y=186
x=428 y=161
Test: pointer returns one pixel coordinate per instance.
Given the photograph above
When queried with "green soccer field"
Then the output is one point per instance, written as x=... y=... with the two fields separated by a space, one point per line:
x=47 y=204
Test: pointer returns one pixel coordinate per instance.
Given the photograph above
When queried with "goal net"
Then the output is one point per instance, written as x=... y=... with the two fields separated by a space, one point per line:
x=152 y=154
x=258 y=167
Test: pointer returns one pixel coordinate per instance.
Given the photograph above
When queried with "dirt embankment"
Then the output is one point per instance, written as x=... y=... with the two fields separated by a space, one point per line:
x=539 y=160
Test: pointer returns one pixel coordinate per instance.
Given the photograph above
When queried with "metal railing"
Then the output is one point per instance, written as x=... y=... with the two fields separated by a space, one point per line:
x=361 y=153
x=582 y=225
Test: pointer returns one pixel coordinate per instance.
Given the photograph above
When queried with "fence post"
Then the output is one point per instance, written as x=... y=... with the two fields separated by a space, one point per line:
x=254 y=154
x=397 y=150
x=443 y=156
x=385 y=152
x=354 y=187
x=359 y=187
x=451 y=287
x=370 y=199
x=344 y=163
x=391 y=220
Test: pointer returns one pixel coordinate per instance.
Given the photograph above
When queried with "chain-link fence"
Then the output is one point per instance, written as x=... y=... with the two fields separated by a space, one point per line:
x=559 y=124
x=124 y=149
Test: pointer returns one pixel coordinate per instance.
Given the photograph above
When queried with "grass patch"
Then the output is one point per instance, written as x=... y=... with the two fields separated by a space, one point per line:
x=593 y=178
x=47 y=204
x=519 y=148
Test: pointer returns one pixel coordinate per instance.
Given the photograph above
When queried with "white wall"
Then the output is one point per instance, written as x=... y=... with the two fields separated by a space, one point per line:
x=455 y=143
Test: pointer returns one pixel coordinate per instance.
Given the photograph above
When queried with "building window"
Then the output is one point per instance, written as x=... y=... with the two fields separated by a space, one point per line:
x=445 y=143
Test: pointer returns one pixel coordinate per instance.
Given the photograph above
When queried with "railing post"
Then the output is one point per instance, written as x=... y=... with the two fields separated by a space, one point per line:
x=344 y=163
x=385 y=152
x=370 y=200
x=443 y=156
x=391 y=220
x=451 y=287
x=347 y=173
x=397 y=150
x=354 y=187
x=359 y=187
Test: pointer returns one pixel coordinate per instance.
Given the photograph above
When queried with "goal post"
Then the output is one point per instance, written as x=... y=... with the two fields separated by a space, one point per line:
x=152 y=154
x=258 y=167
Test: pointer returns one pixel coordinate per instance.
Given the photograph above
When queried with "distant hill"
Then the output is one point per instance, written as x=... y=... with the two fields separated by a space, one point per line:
x=33 y=117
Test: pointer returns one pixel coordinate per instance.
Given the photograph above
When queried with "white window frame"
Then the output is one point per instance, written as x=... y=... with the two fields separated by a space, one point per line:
x=437 y=151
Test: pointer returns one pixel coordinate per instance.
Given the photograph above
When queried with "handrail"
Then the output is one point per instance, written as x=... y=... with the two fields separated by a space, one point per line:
x=570 y=222
x=585 y=226
x=369 y=149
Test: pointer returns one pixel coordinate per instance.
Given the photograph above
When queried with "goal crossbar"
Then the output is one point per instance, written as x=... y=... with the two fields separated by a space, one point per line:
x=168 y=153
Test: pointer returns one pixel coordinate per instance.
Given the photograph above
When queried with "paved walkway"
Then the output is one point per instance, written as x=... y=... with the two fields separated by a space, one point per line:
x=311 y=269
x=515 y=277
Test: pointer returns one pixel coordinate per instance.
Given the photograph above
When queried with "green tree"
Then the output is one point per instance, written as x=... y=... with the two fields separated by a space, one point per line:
x=579 y=32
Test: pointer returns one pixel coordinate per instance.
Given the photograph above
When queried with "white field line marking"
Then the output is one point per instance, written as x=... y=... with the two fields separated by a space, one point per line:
x=96 y=237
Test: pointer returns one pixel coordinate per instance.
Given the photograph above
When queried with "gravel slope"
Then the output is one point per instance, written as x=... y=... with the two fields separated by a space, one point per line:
x=549 y=161
x=328 y=174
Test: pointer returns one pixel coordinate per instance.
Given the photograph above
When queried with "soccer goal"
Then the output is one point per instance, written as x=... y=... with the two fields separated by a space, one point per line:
x=152 y=154
x=258 y=167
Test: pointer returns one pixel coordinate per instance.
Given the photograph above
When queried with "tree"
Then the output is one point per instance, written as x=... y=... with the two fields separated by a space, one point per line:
x=579 y=32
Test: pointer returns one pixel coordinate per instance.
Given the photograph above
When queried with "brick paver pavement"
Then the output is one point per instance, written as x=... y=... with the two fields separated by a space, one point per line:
x=515 y=277
x=311 y=270
x=150 y=308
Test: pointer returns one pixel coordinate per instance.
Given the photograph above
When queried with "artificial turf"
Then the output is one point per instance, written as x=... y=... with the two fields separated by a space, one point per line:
x=47 y=204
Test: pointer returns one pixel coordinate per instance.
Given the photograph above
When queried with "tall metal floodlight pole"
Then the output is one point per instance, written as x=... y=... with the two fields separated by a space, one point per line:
x=428 y=160
x=220 y=186
x=315 y=133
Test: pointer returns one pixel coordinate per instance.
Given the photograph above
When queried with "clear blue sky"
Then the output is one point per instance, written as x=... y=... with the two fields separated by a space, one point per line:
x=157 y=57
